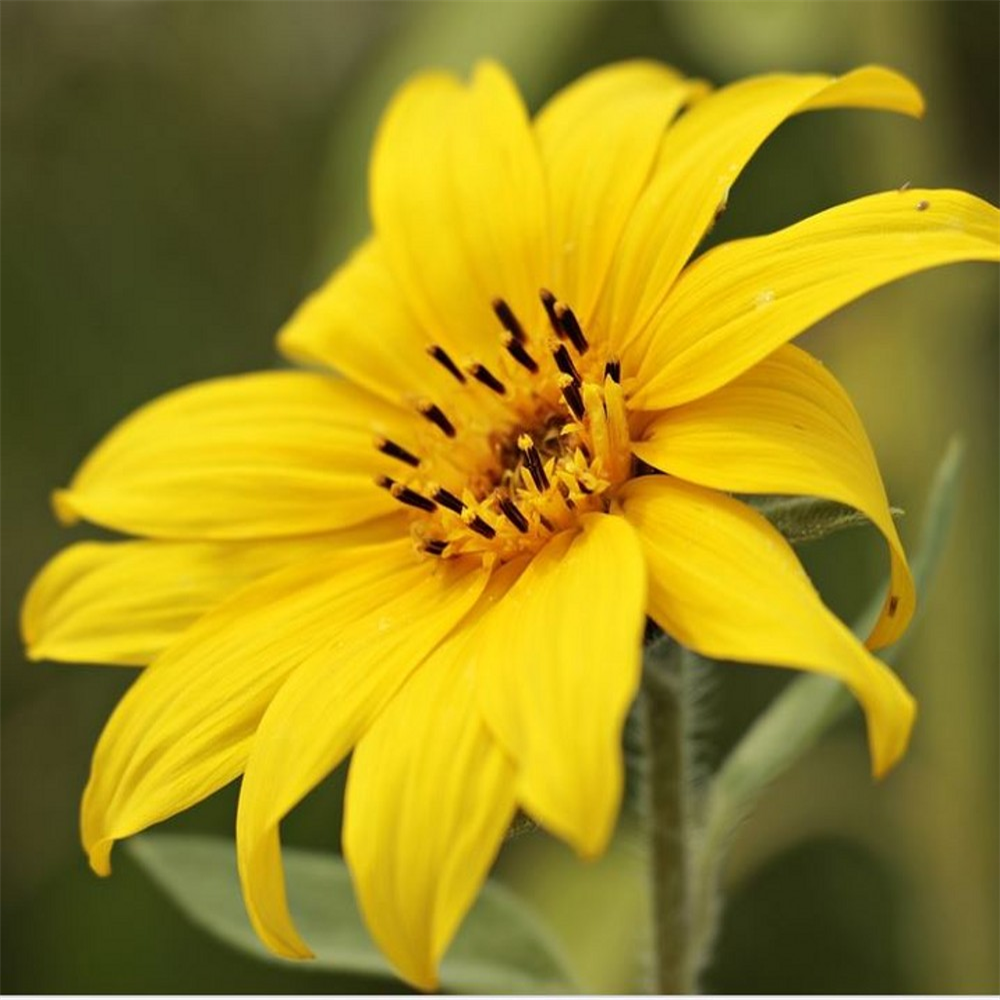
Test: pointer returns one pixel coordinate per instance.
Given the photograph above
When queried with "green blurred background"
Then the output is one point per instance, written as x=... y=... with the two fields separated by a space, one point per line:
x=177 y=175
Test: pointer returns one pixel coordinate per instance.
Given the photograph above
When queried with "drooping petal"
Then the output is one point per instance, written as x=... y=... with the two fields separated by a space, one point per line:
x=124 y=603
x=458 y=202
x=359 y=323
x=559 y=661
x=183 y=730
x=701 y=157
x=429 y=798
x=785 y=426
x=599 y=139
x=253 y=456
x=736 y=304
x=322 y=711
x=723 y=582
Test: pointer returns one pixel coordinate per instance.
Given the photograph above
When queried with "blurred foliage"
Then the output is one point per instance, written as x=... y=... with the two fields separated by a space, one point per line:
x=501 y=946
x=176 y=177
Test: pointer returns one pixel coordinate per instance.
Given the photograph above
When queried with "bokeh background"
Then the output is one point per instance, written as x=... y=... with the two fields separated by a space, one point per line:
x=177 y=175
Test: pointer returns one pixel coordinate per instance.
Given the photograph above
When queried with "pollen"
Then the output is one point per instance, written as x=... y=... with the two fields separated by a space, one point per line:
x=500 y=471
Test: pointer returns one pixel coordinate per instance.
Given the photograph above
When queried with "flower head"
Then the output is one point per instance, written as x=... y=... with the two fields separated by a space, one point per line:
x=444 y=560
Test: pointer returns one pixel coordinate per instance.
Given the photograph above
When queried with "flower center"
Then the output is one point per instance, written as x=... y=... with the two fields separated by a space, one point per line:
x=515 y=456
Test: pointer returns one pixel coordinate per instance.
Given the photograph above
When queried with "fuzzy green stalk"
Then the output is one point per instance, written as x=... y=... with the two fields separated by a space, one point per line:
x=668 y=817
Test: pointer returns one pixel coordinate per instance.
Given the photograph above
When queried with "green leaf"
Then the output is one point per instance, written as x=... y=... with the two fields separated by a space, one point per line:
x=501 y=948
x=806 y=519
x=802 y=713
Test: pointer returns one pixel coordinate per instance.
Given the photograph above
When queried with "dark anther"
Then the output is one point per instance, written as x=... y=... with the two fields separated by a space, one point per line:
x=614 y=369
x=546 y=523
x=482 y=374
x=435 y=546
x=449 y=500
x=564 y=493
x=404 y=494
x=394 y=450
x=480 y=527
x=441 y=356
x=537 y=473
x=549 y=301
x=533 y=462
x=571 y=327
x=411 y=497
x=433 y=413
x=514 y=515
x=585 y=490
x=571 y=393
x=893 y=604
x=565 y=364
x=516 y=350
x=509 y=321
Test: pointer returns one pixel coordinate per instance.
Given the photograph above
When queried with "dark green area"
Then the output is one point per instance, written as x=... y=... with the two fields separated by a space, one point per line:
x=813 y=942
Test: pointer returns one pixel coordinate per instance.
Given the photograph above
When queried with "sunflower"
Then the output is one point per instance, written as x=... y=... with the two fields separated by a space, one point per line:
x=442 y=558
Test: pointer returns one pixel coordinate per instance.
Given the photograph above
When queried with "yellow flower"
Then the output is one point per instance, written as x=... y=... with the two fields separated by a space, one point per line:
x=444 y=561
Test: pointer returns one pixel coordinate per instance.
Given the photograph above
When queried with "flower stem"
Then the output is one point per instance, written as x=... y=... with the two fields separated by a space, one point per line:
x=669 y=821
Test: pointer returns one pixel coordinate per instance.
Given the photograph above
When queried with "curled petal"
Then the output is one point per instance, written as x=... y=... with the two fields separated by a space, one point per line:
x=723 y=582
x=785 y=426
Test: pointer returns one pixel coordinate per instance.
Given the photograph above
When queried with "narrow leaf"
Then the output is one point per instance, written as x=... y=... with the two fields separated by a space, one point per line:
x=806 y=519
x=501 y=948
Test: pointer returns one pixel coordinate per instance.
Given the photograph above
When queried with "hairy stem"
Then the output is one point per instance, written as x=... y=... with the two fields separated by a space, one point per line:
x=669 y=820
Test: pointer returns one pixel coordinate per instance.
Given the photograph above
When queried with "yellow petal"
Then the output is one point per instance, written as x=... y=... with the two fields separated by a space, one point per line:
x=723 y=582
x=322 y=711
x=359 y=323
x=785 y=426
x=559 y=661
x=736 y=304
x=124 y=602
x=277 y=453
x=599 y=139
x=429 y=798
x=701 y=157
x=458 y=202
x=184 y=728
